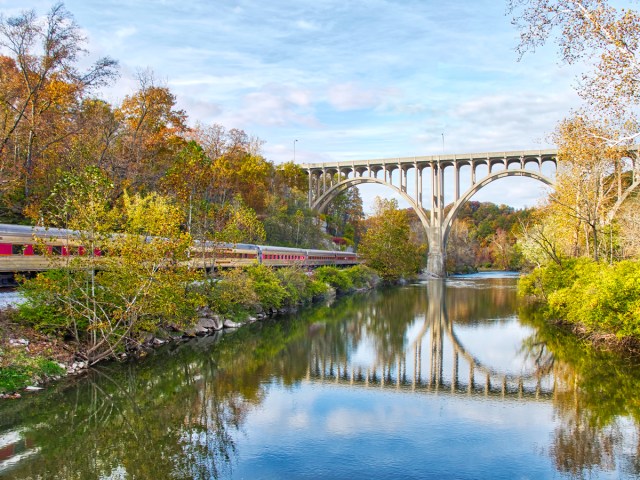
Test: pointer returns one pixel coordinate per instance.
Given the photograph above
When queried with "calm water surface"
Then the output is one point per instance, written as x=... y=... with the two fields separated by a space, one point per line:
x=434 y=380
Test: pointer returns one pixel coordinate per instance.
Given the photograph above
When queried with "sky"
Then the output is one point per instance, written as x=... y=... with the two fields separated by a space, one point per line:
x=347 y=79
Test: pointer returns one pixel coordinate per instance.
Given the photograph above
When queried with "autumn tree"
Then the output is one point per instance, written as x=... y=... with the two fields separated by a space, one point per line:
x=387 y=246
x=152 y=129
x=585 y=189
x=345 y=215
x=242 y=225
x=118 y=286
x=593 y=32
x=461 y=248
x=41 y=88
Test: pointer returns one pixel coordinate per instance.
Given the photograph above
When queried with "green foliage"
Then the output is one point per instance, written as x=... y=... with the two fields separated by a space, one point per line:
x=18 y=370
x=232 y=295
x=296 y=283
x=601 y=297
x=388 y=246
x=267 y=286
x=243 y=225
x=543 y=281
x=108 y=302
x=290 y=223
x=362 y=276
x=334 y=277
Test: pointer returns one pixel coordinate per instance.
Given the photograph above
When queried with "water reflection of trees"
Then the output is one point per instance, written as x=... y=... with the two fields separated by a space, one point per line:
x=176 y=413
x=170 y=416
x=476 y=302
x=595 y=391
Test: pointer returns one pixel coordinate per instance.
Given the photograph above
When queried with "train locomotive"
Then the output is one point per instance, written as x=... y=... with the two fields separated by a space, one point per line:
x=25 y=249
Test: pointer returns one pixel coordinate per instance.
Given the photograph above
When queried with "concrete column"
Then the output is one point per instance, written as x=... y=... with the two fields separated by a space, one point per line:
x=419 y=175
x=457 y=181
x=324 y=179
x=473 y=173
x=310 y=191
x=415 y=166
x=433 y=194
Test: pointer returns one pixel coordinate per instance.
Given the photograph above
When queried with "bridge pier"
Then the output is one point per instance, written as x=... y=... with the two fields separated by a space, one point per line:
x=437 y=254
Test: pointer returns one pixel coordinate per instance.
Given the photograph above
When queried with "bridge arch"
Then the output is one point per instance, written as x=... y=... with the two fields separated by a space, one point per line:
x=323 y=201
x=466 y=196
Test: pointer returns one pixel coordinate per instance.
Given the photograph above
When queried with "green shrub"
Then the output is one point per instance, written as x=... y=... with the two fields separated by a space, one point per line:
x=543 y=281
x=271 y=294
x=233 y=295
x=297 y=284
x=362 y=276
x=598 y=296
x=334 y=277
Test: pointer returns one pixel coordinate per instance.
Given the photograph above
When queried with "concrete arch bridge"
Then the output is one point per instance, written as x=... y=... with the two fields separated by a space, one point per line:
x=327 y=180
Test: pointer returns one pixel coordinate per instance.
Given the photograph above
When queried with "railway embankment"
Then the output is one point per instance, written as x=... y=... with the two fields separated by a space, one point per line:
x=32 y=354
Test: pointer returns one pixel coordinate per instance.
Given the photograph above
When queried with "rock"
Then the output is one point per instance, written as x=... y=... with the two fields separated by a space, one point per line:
x=196 y=330
x=18 y=342
x=252 y=319
x=32 y=388
x=231 y=324
x=206 y=322
x=157 y=341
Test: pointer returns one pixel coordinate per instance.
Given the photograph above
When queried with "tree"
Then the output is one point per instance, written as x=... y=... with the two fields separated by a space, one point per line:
x=115 y=287
x=152 y=129
x=590 y=31
x=242 y=225
x=590 y=184
x=595 y=178
x=346 y=211
x=41 y=88
x=387 y=246
x=461 y=248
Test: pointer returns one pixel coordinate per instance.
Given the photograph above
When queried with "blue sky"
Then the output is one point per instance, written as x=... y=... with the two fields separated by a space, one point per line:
x=347 y=79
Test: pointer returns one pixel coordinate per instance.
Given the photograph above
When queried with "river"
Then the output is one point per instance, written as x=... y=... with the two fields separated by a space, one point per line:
x=439 y=379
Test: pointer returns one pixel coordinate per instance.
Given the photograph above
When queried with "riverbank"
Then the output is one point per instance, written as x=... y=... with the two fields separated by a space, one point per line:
x=596 y=301
x=32 y=355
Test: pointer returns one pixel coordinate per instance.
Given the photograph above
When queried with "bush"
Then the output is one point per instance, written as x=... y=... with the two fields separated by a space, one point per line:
x=601 y=297
x=271 y=294
x=233 y=295
x=543 y=281
x=362 y=276
x=335 y=278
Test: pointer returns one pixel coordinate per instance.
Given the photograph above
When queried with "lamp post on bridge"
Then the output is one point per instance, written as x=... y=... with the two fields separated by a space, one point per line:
x=294 y=151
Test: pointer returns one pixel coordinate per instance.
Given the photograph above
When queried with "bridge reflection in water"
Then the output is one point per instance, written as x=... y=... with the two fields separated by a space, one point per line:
x=424 y=368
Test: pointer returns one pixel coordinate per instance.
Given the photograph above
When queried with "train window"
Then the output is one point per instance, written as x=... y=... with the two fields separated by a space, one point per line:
x=17 y=249
x=56 y=250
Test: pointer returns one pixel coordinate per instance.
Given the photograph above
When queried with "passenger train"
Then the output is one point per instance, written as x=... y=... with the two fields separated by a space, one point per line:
x=21 y=252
